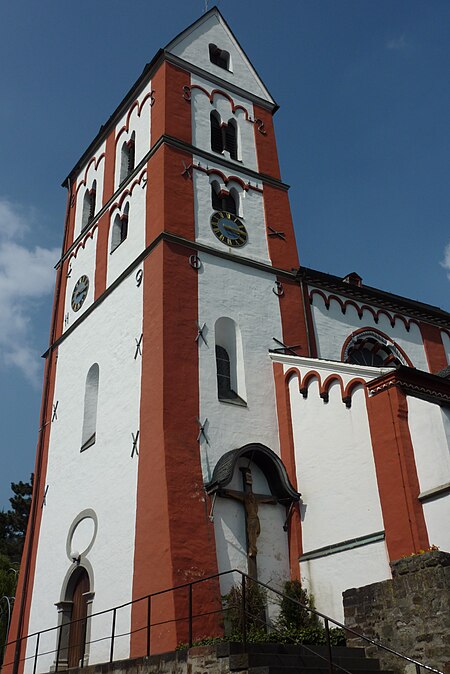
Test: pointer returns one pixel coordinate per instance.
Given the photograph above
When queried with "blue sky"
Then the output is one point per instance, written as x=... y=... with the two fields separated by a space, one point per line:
x=363 y=139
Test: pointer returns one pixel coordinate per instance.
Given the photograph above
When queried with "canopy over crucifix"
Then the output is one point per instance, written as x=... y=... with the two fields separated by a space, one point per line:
x=281 y=490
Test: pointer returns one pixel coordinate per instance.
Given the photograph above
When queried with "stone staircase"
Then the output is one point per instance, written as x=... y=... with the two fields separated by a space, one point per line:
x=231 y=658
x=286 y=659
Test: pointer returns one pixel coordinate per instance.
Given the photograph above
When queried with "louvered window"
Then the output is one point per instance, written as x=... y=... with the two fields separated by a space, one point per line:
x=219 y=57
x=216 y=133
x=230 y=139
x=131 y=154
x=229 y=204
x=91 y=205
x=223 y=201
x=215 y=197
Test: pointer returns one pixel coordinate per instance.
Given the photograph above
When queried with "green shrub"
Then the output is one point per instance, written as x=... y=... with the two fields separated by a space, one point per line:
x=294 y=607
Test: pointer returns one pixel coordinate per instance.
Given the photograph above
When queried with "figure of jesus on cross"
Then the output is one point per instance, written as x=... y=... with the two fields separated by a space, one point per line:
x=251 y=502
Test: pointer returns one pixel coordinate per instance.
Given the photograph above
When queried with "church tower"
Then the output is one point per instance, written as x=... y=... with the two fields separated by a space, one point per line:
x=159 y=413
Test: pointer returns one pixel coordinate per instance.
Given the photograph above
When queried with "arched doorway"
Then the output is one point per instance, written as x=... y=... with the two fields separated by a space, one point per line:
x=74 y=609
x=77 y=629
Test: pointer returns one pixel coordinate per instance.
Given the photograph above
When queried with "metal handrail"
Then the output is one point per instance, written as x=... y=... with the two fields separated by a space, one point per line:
x=245 y=578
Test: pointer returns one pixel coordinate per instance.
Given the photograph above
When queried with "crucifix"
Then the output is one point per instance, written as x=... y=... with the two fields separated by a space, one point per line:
x=251 y=502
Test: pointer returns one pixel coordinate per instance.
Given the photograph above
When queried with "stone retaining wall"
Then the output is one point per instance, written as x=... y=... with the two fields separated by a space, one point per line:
x=410 y=613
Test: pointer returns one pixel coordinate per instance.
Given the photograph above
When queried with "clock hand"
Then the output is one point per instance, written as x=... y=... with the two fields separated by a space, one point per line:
x=232 y=229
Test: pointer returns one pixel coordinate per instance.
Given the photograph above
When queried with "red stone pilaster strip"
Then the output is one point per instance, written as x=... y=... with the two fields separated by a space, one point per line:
x=288 y=458
x=101 y=255
x=265 y=141
x=434 y=347
x=110 y=164
x=398 y=484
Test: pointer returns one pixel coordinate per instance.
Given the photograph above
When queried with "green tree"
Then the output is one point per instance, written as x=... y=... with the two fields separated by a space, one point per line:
x=13 y=522
x=13 y=526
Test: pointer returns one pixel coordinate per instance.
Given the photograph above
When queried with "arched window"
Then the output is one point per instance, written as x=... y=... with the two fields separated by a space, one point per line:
x=90 y=408
x=216 y=133
x=229 y=362
x=119 y=229
x=222 y=200
x=88 y=207
x=219 y=57
x=127 y=158
x=369 y=348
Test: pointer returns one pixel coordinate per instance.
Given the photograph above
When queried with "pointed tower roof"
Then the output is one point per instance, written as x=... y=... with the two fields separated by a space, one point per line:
x=192 y=45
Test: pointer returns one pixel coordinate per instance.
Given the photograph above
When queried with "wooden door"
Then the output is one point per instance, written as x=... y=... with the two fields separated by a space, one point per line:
x=79 y=613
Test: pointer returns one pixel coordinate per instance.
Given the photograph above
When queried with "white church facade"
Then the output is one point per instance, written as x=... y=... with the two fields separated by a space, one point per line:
x=193 y=362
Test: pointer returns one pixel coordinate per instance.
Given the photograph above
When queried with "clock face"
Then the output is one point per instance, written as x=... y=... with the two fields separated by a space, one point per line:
x=228 y=229
x=80 y=292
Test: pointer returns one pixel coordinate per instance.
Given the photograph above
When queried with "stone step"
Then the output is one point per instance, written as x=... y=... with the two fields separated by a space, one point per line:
x=302 y=670
x=300 y=661
x=229 y=648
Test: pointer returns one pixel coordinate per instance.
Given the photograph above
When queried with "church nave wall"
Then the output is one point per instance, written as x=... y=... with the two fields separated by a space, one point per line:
x=333 y=327
x=430 y=434
x=446 y=341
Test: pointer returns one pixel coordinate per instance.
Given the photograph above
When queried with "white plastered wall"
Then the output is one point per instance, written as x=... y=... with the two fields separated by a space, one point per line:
x=81 y=263
x=139 y=122
x=244 y=294
x=134 y=244
x=93 y=170
x=201 y=129
x=332 y=328
x=252 y=208
x=326 y=578
x=102 y=478
x=429 y=426
x=446 y=341
x=337 y=479
x=193 y=46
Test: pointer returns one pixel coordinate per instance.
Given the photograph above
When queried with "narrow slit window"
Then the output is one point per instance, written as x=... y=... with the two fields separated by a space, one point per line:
x=229 y=362
x=90 y=408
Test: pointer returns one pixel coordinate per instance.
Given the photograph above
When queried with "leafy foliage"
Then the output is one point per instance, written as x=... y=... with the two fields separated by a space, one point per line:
x=255 y=608
x=294 y=613
x=13 y=525
x=13 y=522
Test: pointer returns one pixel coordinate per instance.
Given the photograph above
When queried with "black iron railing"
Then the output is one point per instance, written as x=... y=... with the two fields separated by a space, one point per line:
x=149 y=600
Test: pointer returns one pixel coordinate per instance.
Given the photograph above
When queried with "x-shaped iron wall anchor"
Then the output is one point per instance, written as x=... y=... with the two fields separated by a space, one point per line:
x=274 y=232
x=284 y=348
x=187 y=173
x=202 y=431
x=55 y=407
x=200 y=333
x=138 y=351
x=44 y=500
x=134 y=448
